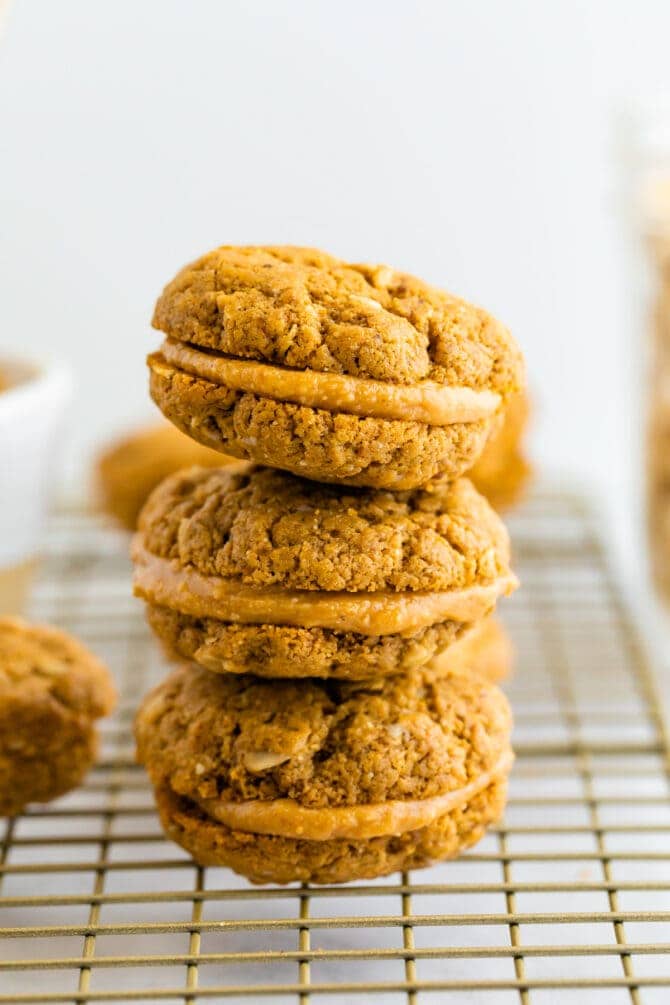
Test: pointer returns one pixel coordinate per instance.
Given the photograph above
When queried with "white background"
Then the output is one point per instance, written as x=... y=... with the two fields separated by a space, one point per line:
x=474 y=143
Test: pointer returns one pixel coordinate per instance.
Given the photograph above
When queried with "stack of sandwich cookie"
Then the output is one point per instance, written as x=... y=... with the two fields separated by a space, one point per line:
x=336 y=716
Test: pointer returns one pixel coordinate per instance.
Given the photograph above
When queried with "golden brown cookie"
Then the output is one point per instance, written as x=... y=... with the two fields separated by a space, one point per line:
x=249 y=569
x=52 y=690
x=342 y=373
x=129 y=469
x=325 y=781
x=485 y=649
x=502 y=472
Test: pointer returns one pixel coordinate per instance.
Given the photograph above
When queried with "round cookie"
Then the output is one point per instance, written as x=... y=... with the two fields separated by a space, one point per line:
x=252 y=570
x=354 y=374
x=129 y=469
x=502 y=472
x=320 y=781
x=485 y=649
x=51 y=692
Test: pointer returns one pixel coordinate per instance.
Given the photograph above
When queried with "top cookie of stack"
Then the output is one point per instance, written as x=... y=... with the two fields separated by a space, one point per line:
x=353 y=374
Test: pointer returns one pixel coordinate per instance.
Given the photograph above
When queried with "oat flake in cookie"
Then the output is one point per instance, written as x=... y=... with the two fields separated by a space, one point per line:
x=346 y=373
x=252 y=570
x=325 y=782
x=52 y=690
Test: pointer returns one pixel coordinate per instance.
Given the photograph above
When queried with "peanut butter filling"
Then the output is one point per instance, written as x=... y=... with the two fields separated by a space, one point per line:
x=287 y=818
x=163 y=582
x=427 y=401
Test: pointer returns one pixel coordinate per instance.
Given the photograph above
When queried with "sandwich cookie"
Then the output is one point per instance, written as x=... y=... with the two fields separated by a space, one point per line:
x=355 y=374
x=325 y=781
x=251 y=570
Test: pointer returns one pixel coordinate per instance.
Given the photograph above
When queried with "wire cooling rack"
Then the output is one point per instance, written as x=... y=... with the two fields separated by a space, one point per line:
x=567 y=901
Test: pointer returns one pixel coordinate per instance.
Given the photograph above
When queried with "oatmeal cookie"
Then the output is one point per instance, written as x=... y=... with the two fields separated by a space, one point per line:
x=343 y=373
x=325 y=781
x=252 y=570
x=51 y=692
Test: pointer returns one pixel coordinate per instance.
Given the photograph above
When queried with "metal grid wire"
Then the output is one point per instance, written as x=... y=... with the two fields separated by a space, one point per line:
x=567 y=901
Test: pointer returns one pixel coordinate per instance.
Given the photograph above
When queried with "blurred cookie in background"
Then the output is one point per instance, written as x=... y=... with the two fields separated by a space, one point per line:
x=128 y=469
x=502 y=472
x=486 y=650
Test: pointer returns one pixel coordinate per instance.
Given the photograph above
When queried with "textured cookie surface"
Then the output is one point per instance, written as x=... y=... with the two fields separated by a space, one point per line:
x=265 y=528
x=51 y=692
x=290 y=651
x=204 y=737
x=332 y=743
x=283 y=651
x=302 y=308
x=128 y=470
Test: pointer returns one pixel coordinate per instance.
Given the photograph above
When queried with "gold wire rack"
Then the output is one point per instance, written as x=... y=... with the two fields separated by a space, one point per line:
x=568 y=900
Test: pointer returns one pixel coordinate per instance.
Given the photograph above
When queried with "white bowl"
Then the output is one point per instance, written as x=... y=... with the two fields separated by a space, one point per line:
x=32 y=410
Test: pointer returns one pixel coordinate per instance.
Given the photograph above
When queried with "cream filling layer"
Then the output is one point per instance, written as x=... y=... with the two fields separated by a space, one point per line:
x=287 y=818
x=427 y=401
x=163 y=582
